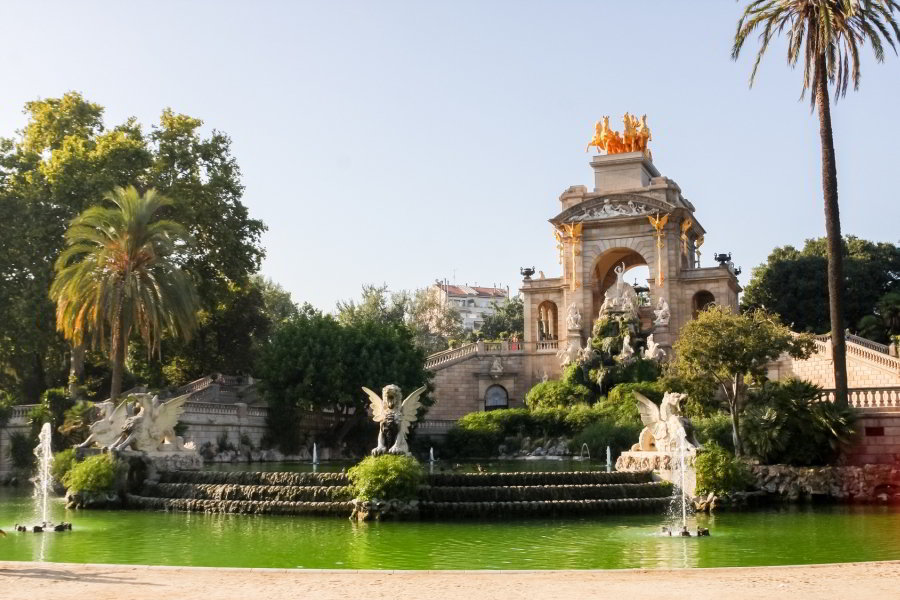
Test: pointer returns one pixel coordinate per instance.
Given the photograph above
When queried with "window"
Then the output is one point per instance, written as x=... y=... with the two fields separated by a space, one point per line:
x=702 y=300
x=496 y=397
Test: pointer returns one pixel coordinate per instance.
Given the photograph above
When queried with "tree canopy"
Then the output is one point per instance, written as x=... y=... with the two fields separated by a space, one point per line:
x=317 y=362
x=792 y=284
x=120 y=274
x=62 y=162
x=732 y=350
x=432 y=323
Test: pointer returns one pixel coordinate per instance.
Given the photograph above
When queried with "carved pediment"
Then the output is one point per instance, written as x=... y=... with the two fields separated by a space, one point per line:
x=612 y=207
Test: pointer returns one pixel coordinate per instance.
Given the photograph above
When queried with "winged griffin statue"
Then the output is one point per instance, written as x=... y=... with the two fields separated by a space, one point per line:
x=105 y=430
x=664 y=426
x=393 y=418
x=152 y=427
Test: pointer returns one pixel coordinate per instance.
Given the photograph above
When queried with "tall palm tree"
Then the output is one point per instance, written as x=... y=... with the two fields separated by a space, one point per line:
x=828 y=34
x=119 y=274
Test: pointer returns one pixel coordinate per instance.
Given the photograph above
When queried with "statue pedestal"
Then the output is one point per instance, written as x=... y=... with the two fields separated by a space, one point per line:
x=665 y=466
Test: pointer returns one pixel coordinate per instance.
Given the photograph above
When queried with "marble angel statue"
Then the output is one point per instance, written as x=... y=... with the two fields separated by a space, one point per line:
x=393 y=417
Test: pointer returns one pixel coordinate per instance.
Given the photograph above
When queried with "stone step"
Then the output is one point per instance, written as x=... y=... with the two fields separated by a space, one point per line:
x=544 y=492
x=271 y=478
x=529 y=478
x=226 y=491
x=247 y=507
x=427 y=509
x=542 y=508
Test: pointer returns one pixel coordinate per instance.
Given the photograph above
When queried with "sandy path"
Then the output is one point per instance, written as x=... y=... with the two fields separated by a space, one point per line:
x=21 y=580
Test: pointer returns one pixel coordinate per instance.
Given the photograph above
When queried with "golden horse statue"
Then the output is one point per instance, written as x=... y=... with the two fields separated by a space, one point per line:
x=635 y=138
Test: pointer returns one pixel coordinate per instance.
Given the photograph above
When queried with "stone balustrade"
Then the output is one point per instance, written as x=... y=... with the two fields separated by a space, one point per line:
x=547 y=346
x=441 y=360
x=871 y=345
x=874 y=398
x=451 y=355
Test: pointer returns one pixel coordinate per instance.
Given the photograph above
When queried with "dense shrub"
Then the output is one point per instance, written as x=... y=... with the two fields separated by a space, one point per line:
x=94 y=474
x=719 y=472
x=785 y=423
x=714 y=429
x=601 y=434
x=386 y=477
x=556 y=394
x=479 y=434
x=62 y=463
x=622 y=405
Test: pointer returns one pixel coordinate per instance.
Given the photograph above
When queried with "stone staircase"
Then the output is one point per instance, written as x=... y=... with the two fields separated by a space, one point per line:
x=445 y=495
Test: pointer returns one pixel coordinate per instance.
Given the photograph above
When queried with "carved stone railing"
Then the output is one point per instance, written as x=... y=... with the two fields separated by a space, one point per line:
x=547 y=345
x=435 y=425
x=874 y=398
x=863 y=348
x=884 y=360
x=450 y=355
x=445 y=358
x=209 y=408
x=871 y=345
x=21 y=411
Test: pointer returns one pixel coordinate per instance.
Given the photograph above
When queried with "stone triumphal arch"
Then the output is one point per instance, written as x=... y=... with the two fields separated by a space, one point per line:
x=633 y=216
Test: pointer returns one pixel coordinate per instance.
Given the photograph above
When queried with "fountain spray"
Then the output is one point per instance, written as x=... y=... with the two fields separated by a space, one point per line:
x=608 y=460
x=44 y=455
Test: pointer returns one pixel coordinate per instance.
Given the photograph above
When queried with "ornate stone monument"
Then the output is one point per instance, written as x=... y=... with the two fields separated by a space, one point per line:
x=631 y=216
x=666 y=438
x=140 y=430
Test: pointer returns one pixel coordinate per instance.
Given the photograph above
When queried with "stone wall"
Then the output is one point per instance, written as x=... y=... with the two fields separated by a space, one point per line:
x=460 y=387
x=869 y=483
x=879 y=440
x=206 y=422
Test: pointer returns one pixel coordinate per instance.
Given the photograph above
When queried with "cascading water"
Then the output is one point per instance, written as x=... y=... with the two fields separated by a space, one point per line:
x=608 y=460
x=44 y=455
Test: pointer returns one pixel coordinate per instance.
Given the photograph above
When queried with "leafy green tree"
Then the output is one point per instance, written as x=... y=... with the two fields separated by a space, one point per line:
x=508 y=319
x=884 y=323
x=432 y=323
x=120 y=274
x=733 y=349
x=278 y=306
x=64 y=161
x=792 y=282
x=315 y=362
x=832 y=32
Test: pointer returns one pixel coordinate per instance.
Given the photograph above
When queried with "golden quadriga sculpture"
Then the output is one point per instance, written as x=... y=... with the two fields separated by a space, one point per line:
x=634 y=138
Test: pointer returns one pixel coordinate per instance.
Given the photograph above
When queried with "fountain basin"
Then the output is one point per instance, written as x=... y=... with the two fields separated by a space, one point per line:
x=664 y=465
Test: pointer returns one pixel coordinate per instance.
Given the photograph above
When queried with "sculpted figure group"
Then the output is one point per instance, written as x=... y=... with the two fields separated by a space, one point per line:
x=634 y=138
x=142 y=422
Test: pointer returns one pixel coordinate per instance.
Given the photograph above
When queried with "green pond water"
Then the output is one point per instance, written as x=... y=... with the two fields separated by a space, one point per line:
x=796 y=535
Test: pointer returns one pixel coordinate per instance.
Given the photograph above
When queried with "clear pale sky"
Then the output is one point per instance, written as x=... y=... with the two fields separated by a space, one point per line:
x=400 y=142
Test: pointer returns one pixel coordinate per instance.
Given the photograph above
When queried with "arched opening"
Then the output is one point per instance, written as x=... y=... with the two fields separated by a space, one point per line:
x=637 y=273
x=701 y=300
x=496 y=397
x=547 y=321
